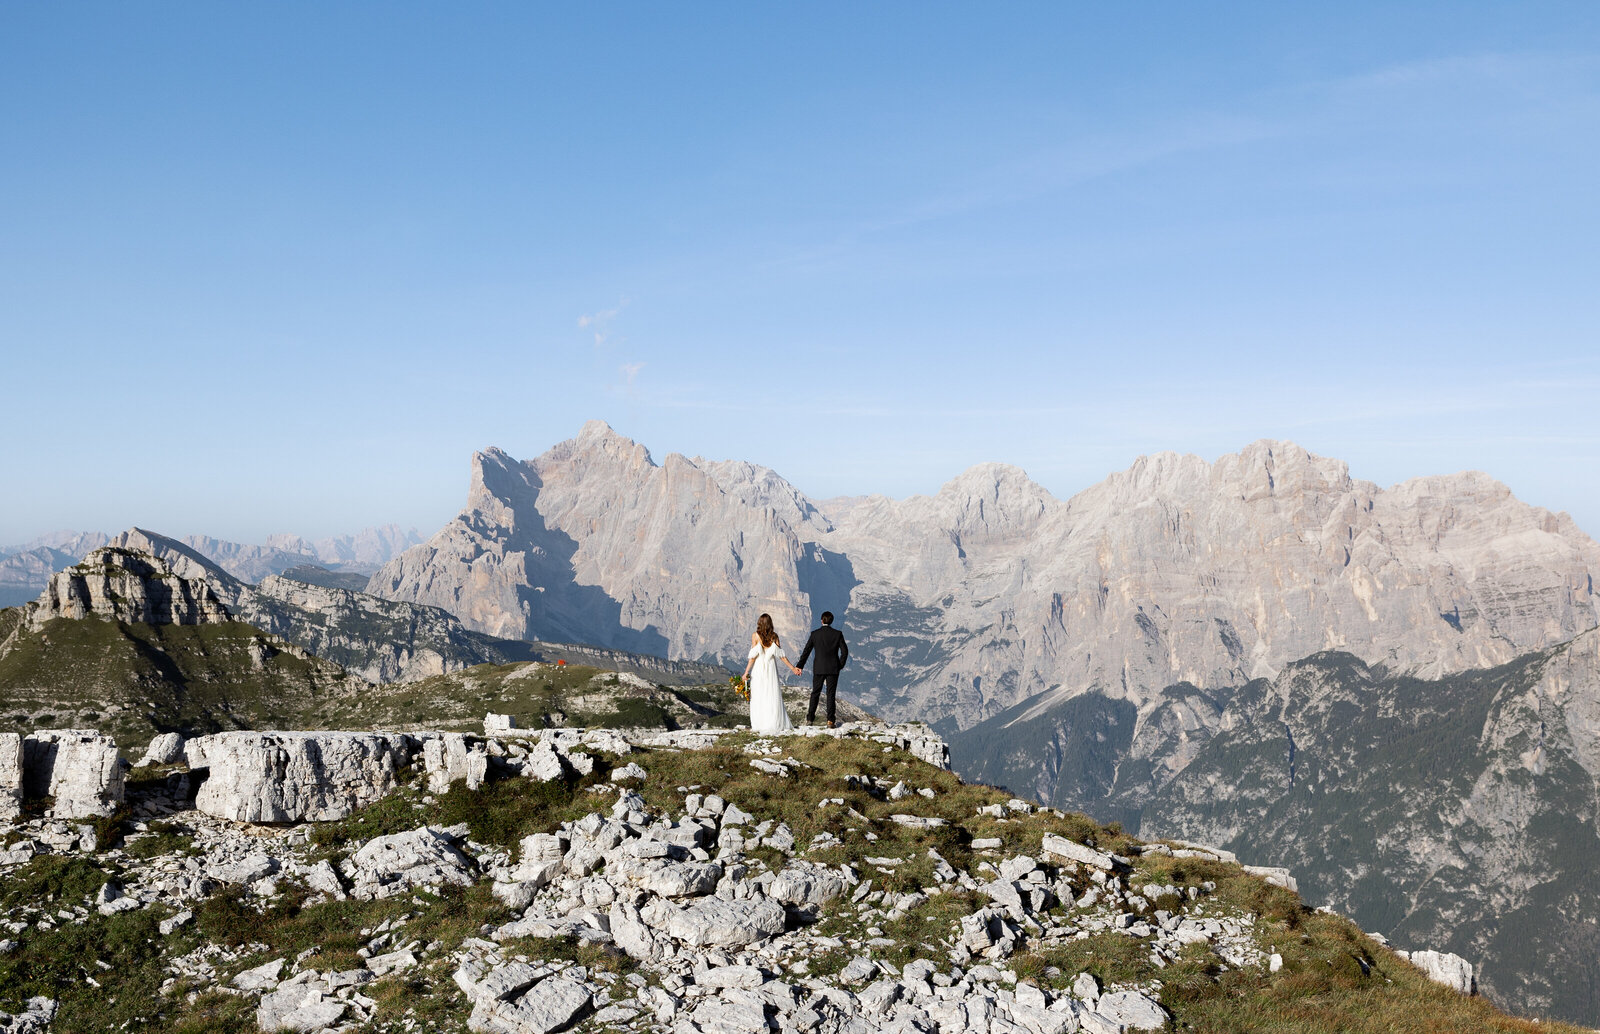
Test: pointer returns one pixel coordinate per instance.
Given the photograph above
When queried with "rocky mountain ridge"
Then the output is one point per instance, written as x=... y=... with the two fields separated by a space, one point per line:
x=376 y=639
x=147 y=634
x=1458 y=811
x=992 y=592
x=26 y=569
x=120 y=584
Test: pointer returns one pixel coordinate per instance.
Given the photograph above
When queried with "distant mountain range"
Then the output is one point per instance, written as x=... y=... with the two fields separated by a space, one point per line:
x=25 y=569
x=146 y=636
x=992 y=592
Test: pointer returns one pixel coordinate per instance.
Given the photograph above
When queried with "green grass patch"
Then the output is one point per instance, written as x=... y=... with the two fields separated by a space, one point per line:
x=52 y=880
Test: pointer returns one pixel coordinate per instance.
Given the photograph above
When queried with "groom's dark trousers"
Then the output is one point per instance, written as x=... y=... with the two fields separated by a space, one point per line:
x=832 y=653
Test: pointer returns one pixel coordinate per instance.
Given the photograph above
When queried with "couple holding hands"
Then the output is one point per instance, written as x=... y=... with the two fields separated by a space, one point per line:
x=767 y=713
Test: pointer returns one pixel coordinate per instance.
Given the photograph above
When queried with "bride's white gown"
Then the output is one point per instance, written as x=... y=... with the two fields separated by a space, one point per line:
x=767 y=713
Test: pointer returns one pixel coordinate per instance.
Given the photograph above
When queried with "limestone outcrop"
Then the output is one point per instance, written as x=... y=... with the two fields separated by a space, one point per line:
x=131 y=586
x=79 y=769
x=11 y=769
x=450 y=756
x=295 y=776
x=1445 y=968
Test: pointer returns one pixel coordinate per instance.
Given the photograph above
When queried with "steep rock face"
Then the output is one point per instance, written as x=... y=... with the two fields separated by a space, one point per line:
x=10 y=776
x=295 y=776
x=79 y=769
x=594 y=540
x=126 y=585
x=1181 y=571
x=1456 y=812
x=380 y=640
x=990 y=593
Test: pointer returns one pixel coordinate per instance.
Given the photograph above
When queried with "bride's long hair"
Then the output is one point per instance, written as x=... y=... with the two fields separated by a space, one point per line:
x=764 y=629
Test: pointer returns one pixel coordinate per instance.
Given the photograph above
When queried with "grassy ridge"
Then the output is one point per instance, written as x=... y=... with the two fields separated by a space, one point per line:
x=134 y=680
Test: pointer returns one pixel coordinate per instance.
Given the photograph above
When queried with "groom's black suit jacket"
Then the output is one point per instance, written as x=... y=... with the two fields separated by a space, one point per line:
x=832 y=653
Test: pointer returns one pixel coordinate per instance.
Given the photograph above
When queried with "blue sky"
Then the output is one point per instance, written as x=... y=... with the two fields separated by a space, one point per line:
x=283 y=267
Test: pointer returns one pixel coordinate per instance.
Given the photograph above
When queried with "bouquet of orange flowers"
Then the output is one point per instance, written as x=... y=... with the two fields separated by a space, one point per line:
x=737 y=682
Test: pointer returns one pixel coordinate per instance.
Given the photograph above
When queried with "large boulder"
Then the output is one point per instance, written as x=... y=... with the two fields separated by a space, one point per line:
x=10 y=776
x=718 y=923
x=1131 y=1010
x=422 y=857
x=80 y=769
x=295 y=776
x=1446 y=968
x=549 y=1006
x=805 y=884
x=449 y=756
x=164 y=749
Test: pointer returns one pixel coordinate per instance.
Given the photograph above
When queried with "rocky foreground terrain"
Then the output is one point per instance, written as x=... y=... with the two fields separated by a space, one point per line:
x=605 y=880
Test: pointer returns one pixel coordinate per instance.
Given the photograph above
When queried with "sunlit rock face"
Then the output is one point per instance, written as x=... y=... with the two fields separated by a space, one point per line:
x=992 y=592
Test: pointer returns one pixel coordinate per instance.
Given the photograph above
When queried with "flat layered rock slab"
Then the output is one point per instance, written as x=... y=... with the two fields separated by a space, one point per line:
x=295 y=776
x=719 y=923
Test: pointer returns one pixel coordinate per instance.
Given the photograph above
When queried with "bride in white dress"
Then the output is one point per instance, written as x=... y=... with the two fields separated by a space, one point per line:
x=767 y=713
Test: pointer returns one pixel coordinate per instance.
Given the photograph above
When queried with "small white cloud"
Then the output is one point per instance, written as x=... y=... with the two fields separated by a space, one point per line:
x=630 y=373
x=599 y=321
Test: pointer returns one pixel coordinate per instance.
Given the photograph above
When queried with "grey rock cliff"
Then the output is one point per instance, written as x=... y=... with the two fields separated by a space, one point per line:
x=295 y=776
x=594 y=542
x=120 y=584
x=11 y=768
x=80 y=769
x=992 y=592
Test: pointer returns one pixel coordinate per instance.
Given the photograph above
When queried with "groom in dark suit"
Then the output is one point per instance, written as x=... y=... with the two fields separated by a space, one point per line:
x=832 y=653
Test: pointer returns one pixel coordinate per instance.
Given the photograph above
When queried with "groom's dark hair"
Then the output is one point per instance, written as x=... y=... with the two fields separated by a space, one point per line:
x=827 y=617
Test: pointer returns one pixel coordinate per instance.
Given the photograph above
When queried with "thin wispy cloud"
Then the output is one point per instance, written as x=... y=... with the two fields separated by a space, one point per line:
x=599 y=323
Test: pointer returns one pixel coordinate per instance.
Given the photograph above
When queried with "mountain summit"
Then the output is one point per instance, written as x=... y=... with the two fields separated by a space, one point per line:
x=1174 y=570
